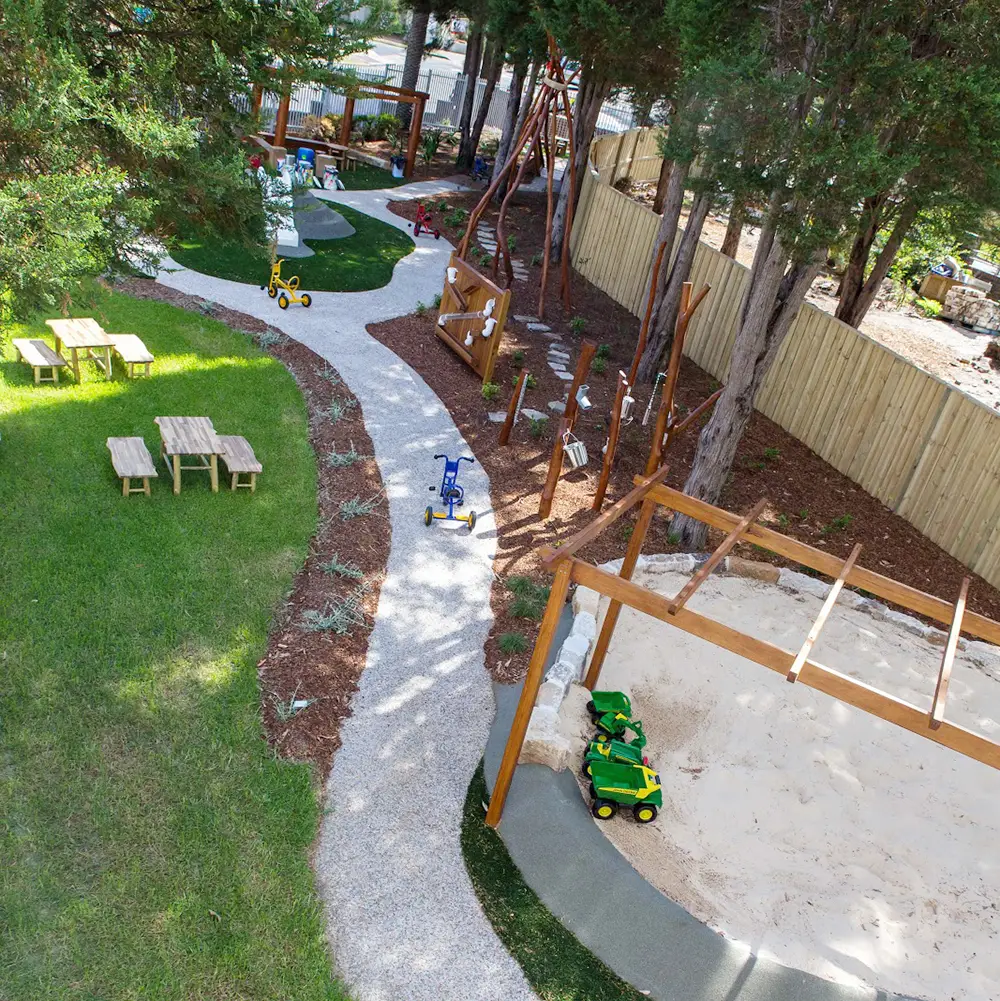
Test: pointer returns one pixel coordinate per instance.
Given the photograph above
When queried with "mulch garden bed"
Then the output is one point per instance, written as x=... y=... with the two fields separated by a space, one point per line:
x=809 y=499
x=302 y=663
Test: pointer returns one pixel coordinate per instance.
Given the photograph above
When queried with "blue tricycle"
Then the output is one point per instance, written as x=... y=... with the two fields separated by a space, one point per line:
x=451 y=494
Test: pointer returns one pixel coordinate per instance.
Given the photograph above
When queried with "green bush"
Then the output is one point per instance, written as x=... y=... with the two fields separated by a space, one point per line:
x=929 y=307
x=490 y=390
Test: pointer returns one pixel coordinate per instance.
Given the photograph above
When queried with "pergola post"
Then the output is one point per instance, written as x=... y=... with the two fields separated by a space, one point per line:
x=281 y=121
x=346 y=122
x=416 y=120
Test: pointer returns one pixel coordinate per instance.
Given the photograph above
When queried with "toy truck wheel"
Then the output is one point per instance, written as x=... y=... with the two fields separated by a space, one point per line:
x=602 y=738
x=593 y=791
x=283 y=301
x=644 y=813
x=472 y=520
x=585 y=770
x=604 y=809
x=306 y=299
x=592 y=709
x=271 y=291
x=428 y=515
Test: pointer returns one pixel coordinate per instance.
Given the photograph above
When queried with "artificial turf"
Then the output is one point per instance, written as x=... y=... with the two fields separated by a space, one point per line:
x=556 y=965
x=152 y=844
x=354 y=264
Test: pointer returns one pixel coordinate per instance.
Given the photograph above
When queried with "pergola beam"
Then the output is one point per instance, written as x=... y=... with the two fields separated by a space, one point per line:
x=948 y=659
x=824 y=614
x=697 y=579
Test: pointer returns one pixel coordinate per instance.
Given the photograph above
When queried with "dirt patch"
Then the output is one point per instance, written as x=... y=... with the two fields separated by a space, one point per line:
x=320 y=666
x=810 y=500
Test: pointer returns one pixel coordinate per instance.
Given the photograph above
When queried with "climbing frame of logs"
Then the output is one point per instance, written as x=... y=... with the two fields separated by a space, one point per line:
x=927 y=721
x=472 y=315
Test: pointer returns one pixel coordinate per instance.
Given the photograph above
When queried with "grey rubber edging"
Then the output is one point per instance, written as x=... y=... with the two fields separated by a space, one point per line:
x=647 y=939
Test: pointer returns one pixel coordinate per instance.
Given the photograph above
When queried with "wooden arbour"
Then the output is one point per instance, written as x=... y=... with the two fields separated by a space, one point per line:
x=797 y=667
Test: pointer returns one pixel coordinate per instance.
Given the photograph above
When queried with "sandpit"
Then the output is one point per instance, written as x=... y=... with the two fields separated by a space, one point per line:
x=817 y=835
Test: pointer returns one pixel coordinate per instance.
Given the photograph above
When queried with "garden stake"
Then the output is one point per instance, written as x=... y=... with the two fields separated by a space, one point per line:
x=514 y=407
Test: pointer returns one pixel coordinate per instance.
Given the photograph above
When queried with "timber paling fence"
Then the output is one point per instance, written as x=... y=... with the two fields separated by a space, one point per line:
x=926 y=450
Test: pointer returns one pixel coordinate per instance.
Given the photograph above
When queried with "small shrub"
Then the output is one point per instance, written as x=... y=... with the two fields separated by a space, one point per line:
x=599 y=367
x=929 y=307
x=804 y=513
x=512 y=643
x=207 y=307
x=531 y=382
x=517 y=360
x=536 y=259
x=336 y=567
x=421 y=308
x=512 y=243
x=538 y=426
x=338 y=408
x=339 y=460
x=529 y=598
x=442 y=205
x=456 y=217
x=328 y=374
x=577 y=325
x=437 y=301
x=490 y=390
x=783 y=520
x=627 y=531
x=267 y=338
x=674 y=538
x=357 y=508
x=837 y=525
x=772 y=454
x=603 y=352
x=339 y=617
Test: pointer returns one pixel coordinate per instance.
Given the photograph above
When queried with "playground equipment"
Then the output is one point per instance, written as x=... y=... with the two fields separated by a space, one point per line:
x=613 y=785
x=611 y=713
x=423 y=223
x=615 y=751
x=286 y=291
x=451 y=494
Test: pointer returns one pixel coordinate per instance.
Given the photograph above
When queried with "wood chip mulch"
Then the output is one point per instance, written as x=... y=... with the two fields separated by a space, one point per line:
x=809 y=499
x=299 y=663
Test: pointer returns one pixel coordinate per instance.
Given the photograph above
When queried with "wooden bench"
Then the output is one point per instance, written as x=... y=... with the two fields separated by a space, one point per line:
x=132 y=460
x=39 y=355
x=132 y=352
x=239 y=459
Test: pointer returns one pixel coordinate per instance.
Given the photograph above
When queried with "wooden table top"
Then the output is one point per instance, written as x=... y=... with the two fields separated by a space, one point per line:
x=81 y=332
x=189 y=436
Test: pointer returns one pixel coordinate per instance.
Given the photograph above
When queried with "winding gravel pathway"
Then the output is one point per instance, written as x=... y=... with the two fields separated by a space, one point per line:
x=401 y=914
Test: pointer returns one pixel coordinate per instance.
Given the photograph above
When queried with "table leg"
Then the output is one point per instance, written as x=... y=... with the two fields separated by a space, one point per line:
x=177 y=474
x=213 y=472
x=76 y=363
x=107 y=362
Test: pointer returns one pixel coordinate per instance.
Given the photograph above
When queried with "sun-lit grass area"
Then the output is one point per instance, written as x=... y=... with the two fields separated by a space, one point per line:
x=152 y=845
x=354 y=264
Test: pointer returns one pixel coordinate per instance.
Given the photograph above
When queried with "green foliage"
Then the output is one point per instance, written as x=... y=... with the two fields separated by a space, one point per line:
x=772 y=453
x=839 y=524
x=512 y=243
x=374 y=128
x=490 y=390
x=517 y=360
x=934 y=236
x=529 y=598
x=783 y=520
x=531 y=382
x=340 y=460
x=357 y=508
x=432 y=139
x=421 y=309
x=599 y=366
x=436 y=301
x=929 y=307
x=456 y=217
x=537 y=426
x=339 y=617
x=511 y=643
x=337 y=408
x=536 y=259
x=603 y=351
x=335 y=566
x=578 y=324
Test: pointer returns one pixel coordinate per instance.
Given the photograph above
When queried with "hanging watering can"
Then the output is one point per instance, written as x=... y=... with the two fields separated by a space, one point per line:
x=575 y=451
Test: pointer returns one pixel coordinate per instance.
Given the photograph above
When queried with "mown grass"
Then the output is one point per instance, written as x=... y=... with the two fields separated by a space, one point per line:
x=366 y=177
x=354 y=264
x=556 y=965
x=152 y=845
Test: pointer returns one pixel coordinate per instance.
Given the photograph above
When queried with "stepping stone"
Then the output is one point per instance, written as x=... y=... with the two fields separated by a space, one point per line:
x=498 y=416
x=565 y=376
x=553 y=350
x=557 y=368
x=534 y=415
x=539 y=326
x=551 y=336
x=558 y=406
x=522 y=318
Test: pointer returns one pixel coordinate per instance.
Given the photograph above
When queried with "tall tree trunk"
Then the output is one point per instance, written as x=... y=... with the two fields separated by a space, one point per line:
x=771 y=305
x=661 y=185
x=869 y=223
x=414 y=54
x=665 y=314
x=857 y=297
x=505 y=151
x=591 y=96
x=734 y=227
x=492 y=66
x=473 y=60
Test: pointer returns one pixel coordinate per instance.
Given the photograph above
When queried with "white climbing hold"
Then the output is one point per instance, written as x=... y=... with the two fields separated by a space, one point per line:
x=488 y=326
x=468 y=339
x=488 y=308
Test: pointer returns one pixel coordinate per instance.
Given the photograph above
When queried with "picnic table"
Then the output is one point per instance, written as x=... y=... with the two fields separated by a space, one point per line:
x=190 y=436
x=82 y=334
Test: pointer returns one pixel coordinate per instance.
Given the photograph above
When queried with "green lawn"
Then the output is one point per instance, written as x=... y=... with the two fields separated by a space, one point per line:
x=357 y=263
x=152 y=846
x=556 y=965
x=365 y=177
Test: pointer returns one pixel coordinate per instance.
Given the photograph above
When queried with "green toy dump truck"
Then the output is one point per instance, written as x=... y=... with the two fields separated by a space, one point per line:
x=612 y=750
x=611 y=713
x=613 y=785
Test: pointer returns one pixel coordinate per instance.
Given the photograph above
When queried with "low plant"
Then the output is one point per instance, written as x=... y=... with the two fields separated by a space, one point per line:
x=537 y=426
x=603 y=352
x=456 y=217
x=517 y=360
x=673 y=538
x=329 y=374
x=357 y=508
x=783 y=520
x=442 y=205
x=286 y=709
x=627 y=531
x=929 y=307
x=266 y=338
x=512 y=243
x=803 y=514
x=436 y=302
x=421 y=308
x=536 y=259
x=336 y=567
x=599 y=366
x=490 y=390
x=529 y=598
x=339 y=617
x=338 y=408
x=772 y=454
x=339 y=460
x=578 y=324
x=531 y=382
x=837 y=525
x=512 y=643
x=207 y=307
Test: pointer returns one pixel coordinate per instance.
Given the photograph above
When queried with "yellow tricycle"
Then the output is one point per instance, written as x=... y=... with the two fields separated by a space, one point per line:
x=286 y=291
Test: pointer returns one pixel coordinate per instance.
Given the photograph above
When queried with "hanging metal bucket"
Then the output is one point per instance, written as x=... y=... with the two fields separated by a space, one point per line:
x=575 y=451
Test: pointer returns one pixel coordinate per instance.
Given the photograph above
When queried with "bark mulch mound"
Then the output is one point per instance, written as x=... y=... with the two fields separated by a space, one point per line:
x=300 y=663
x=809 y=499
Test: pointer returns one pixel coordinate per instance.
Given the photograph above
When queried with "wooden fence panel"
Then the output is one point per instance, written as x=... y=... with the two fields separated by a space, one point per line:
x=927 y=451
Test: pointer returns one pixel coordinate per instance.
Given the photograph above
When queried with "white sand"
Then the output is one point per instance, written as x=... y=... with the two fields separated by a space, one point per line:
x=817 y=835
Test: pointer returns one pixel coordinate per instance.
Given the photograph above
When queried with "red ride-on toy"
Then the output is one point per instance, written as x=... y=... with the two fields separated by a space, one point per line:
x=423 y=223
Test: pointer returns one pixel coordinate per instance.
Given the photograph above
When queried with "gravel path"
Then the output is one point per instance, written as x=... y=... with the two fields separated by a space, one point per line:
x=403 y=919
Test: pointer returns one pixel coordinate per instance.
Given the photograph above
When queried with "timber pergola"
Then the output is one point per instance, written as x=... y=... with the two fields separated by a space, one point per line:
x=796 y=666
x=417 y=98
